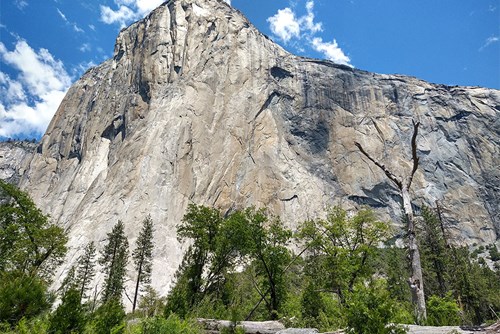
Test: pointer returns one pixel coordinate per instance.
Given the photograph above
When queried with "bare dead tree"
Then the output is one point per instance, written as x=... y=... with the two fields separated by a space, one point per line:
x=415 y=281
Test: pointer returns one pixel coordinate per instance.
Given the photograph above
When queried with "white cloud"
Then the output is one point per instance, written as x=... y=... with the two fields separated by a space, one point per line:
x=331 y=51
x=32 y=98
x=489 y=41
x=21 y=4
x=307 y=21
x=61 y=14
x=85 y=47
x=284 y=24
x=303 y=30
x=128 y=11
x=72 y=24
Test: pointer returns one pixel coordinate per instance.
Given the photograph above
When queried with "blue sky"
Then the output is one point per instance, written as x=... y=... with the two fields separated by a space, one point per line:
x=46 y=45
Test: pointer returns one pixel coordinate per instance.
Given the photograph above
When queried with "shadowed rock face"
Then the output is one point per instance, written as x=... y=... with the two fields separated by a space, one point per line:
x=198 y=106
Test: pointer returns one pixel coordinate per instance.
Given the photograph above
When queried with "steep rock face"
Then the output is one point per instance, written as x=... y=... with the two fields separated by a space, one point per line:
x=198 y=106
x=14 y=156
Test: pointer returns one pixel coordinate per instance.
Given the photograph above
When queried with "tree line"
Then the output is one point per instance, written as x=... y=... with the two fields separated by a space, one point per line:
x=340 y=271
x=31 y=249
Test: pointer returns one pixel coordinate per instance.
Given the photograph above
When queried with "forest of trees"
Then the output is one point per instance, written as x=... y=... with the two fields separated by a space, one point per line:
x=340 y=271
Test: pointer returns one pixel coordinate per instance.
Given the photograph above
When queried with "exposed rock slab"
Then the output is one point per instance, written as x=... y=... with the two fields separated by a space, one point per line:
x=198 y=106
x=249 y=327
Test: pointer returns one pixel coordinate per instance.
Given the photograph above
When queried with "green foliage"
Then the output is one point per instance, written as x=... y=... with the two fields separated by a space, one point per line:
x=311 y=305
x=143 y=256
x=28 y=242
x=342 y=247
x=69 y=281
x=114 y=259
x=393 y=263
x=475 y=286
x=370 y=309
x=201 y=225
x=434 y=253
x=267 y=245
x=151 y=303
x=206 y=275
x=108 y=318
x=494 y=253
x=443 y=311
x=86 y=270
x=452 y=269
x=70 y=315
x=22 y=296
x=38 y=325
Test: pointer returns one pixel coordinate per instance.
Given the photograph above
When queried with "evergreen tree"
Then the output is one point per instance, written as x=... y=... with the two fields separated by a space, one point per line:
x=86 y=269
x=109 y=318
x=69 y=281
x=114 y=259
x=142 y=256
x=451 y=269
x=435 y=254
x=69 y=317
x=22 y=296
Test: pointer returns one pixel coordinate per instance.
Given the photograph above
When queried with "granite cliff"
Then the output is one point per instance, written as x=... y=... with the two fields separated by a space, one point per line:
x=198 y=106
x=14 y=156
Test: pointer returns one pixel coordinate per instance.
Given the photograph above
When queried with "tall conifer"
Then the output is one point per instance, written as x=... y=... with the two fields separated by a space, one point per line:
x=114 y=259
x=86 y=269
x=142 y=256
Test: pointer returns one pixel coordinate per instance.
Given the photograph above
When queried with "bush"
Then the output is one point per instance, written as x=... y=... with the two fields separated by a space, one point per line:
x=370 y=309
x=443 y=311
x=108 y=318
x=69 y=317
x=21 y=296
x=494 y=253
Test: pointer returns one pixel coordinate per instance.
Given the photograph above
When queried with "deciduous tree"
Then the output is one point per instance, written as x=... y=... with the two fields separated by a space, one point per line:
x=29 y=243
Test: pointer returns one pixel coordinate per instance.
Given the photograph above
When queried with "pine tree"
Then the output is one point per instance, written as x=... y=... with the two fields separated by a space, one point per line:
x=69 y=317
x=114 y=258
x=69 y=281
x=86 y=269
x=142 y=256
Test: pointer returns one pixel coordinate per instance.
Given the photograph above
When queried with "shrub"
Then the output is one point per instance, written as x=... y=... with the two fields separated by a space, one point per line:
x=108 y=318
x=69 y=317
x=442 y=311
x=370 y=309
x=21 y=296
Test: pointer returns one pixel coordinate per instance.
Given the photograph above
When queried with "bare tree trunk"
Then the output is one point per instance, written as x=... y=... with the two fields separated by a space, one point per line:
x=136 y=292
x=415 y=281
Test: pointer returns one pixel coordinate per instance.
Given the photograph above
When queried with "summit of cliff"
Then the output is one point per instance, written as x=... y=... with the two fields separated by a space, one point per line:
x=197 y=106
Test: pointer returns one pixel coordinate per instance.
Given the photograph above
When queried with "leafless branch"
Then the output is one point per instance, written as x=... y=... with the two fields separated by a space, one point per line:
x=387 y=172
x=414 y=152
